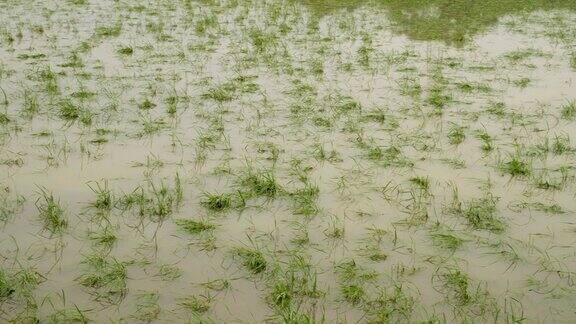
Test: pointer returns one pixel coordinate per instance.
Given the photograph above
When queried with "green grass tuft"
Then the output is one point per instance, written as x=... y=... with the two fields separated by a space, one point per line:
x=194 y=227
x=68 y=316
x=261 y=183
x=352 y=293
x=195 y=304
x=51 y=213
x=106 y=278
x=125 y=50
x=68 y=110
x=6 y=286
x=217 y=202
x=568 y=111
x=481 y=214
x=253 y=260
x=515 y=167
x=447 y=241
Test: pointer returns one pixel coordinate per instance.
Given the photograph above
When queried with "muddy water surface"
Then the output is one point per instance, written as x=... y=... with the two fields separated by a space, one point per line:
x=225 y=161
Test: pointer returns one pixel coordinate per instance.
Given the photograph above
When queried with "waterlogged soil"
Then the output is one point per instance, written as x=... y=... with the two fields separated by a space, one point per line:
x=276 y=161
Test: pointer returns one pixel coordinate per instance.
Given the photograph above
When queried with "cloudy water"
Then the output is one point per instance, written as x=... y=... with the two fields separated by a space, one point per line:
x=287 y=161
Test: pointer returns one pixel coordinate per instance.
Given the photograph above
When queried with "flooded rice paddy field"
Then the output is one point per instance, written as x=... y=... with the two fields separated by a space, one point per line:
x=287 y=161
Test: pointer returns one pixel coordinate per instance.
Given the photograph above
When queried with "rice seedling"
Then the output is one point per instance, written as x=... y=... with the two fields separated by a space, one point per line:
x=195 y=304
x=78 y=2
x=468 y=87
x=206 y=242
x=446 y=239
x=105 y=277
x=160 y=204
x=454 y=163
x=217 y=202
x=104 y=199
x=352 y=293
x=373 y=253
x=217 y=284
x=31 y=56
x=68 y=315
x=252 y=260
x=568 y=111
x=133 y=199
x=261 y=40
x=515 y=167
x=152 y=164
x=321 y=154
x=281 y=295
x=497 y=109
x=49 y=79
x=561 y=145
x=456 y=135
x=51 y=213
x=105 y=238
x=151 y=126
x=523 y=54
x=194 y=227
x=551 y=208
x=335 y=230
x=83 y=94
x=222 y=93
x=522 y=82
x=69 y=111
x=31 y=104
x=126 y=50
x=6 y=287
x=260 y=183
x=146 y=104
x=28 y=278
x=438 y=99
x=456 y=283
x=9 y=206
x=551 y=180
x=167 y=272
x=486 y=139
x=388 y=306
x=481 y=214
x=178 y=190
x=420 y=182
x=74 y=61
x=352 y=279
x=305 y=200
x=147 y=307
x=109 y=31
